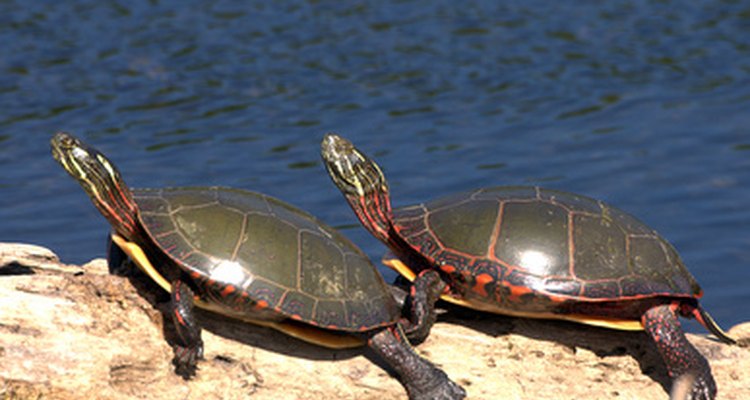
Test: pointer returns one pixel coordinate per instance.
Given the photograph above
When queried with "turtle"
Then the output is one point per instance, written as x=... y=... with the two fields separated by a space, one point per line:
x=532 y=252
x=255 y=258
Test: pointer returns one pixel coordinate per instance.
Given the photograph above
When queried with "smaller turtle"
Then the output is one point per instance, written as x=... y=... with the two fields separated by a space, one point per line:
x=252 y=257
x=532 y=252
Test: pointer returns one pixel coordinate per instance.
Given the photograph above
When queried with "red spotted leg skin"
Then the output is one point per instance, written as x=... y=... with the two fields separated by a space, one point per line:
x=683 y=361
x=423 y=380
x=420 y=305
x=190 y=347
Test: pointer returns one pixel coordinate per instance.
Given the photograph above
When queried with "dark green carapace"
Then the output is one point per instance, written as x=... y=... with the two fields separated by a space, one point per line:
x=583 y=248
x=260 y=253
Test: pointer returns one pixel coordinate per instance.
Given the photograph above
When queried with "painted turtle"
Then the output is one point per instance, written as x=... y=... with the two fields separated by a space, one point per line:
x=531 y=252
x=252 y=257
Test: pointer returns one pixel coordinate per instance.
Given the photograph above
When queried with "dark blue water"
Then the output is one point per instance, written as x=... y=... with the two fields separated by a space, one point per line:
x=643 y=104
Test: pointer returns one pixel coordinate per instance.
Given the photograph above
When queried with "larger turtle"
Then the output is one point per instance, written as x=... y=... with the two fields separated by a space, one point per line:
x=252 y=257
x=531 y=252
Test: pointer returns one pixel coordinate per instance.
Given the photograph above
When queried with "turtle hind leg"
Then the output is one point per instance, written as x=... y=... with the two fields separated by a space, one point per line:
x=422 y=380
x=420 y=305
x=190 y=347
x=683 y=361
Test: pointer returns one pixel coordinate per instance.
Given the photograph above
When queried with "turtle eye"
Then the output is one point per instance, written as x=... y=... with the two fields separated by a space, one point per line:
x=67 y=141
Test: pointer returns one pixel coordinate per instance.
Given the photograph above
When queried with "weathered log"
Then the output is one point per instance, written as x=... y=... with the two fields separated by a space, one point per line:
x=70 y=332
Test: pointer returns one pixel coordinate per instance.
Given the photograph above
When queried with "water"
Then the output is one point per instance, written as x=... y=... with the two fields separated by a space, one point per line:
x=642 y=104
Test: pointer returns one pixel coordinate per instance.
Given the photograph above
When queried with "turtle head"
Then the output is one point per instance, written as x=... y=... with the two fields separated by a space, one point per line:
x=81 y=161
x=361 y=181
x=353 y=172
x=99 y=178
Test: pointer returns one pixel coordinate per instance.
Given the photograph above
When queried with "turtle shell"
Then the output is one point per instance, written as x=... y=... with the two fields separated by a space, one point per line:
x=250 y=253
x=516 y=246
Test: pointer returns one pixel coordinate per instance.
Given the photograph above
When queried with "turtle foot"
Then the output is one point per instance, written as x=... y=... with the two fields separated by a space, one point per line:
x=421 y=379
x=189 y=348
x=693 y=386
x=186 y=360
x=445 y=390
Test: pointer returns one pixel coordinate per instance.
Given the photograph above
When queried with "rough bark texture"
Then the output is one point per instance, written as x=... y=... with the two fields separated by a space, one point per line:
x=69 y=332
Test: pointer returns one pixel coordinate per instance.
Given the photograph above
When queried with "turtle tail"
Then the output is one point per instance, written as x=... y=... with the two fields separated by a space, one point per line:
x=702 y=316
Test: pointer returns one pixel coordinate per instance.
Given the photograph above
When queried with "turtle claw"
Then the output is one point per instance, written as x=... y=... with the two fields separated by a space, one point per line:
x=186 y=360
x=447 y=390
x=691 y=386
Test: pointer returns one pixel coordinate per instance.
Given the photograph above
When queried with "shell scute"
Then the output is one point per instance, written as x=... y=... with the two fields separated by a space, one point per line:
x=555 y=244
x=278 y=261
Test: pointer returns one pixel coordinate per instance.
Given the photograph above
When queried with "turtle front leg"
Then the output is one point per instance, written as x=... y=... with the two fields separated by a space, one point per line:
x=684 y=362
x=422 y=380
x=420 y=305
x=190 y=348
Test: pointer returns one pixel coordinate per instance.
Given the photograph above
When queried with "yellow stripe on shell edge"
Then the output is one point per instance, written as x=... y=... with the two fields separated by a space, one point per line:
x=301 y=331
x=612 y=323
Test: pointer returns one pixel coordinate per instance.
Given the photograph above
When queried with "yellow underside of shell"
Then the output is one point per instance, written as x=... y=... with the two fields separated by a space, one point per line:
x=612 y=323
x=307 y=333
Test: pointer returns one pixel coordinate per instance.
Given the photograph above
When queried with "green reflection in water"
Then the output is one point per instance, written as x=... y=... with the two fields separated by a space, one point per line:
x=242 y=139
x=158 y=105
x=563 y=35
x=281 y=148
x=306 y=122
x=471 y=31
x=174 y=132
x=579 y=112
x=544 y=179
x=447 y=147
x=9 y=89
x=409 y=111
x=181 y=142
x=226 y=109
x=492 y=166
x=347 y=226
x=605 y=130
x=64 y=108
x=18 y=70
x=303 y=164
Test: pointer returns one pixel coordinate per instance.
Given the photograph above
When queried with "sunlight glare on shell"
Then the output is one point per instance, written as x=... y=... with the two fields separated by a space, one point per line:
x=230 y=272
x=535 y=261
